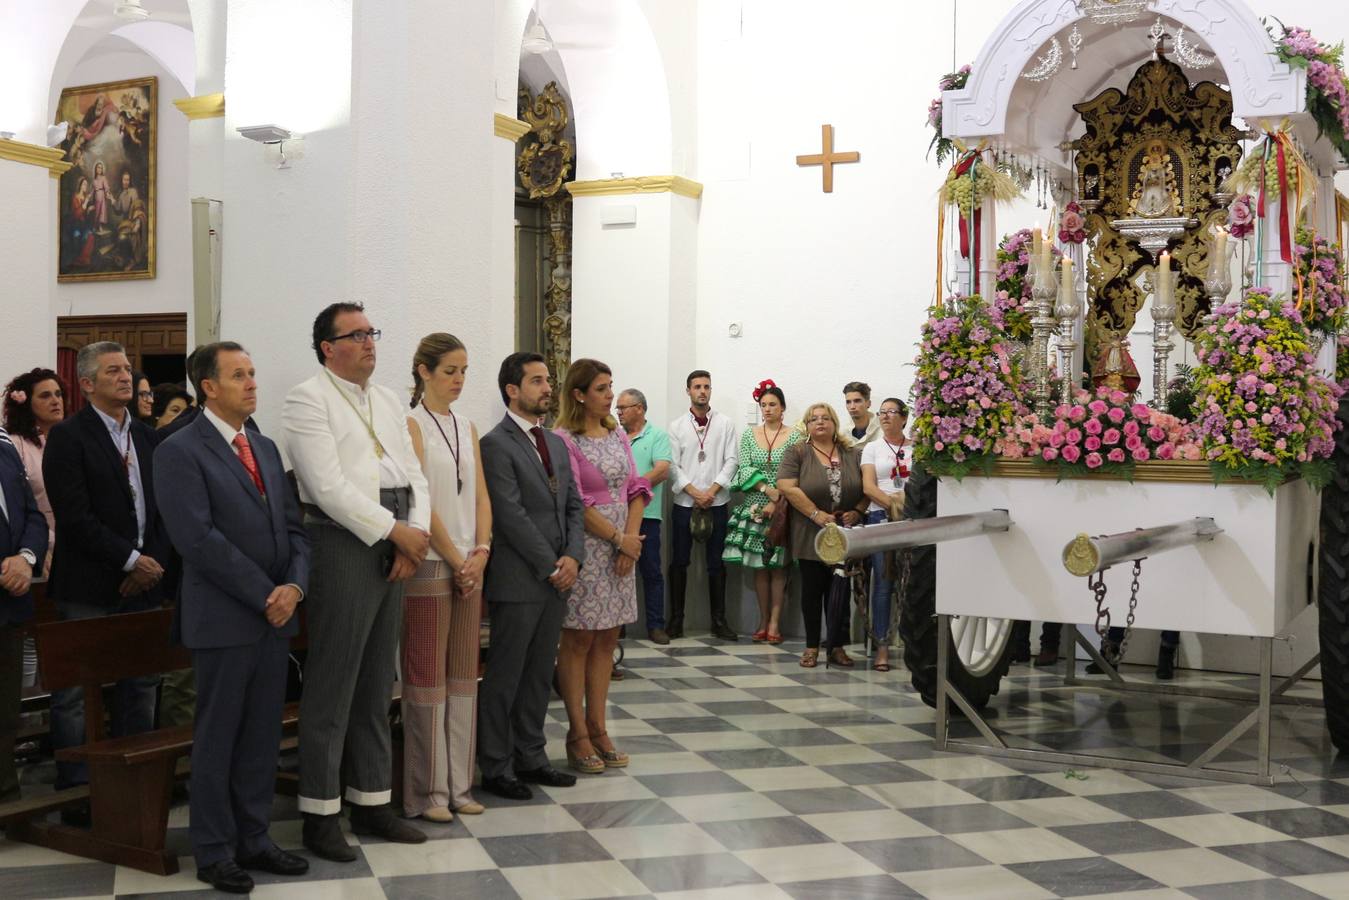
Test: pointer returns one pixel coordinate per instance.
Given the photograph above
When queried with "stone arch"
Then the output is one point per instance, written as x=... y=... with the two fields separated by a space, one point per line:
x=1261 y=86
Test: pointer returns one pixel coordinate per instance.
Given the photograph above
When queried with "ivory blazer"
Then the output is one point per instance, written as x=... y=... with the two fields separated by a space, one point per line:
x=334 y=459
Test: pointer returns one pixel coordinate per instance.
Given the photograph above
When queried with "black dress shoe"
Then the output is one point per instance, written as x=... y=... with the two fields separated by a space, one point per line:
x=507 y=786
x=77 y=816
x=1046 y=658
x=1166 y=663
x=546 y=775
x=226 y=876
x=323 y=836
x=381 y=822
x=276 y=861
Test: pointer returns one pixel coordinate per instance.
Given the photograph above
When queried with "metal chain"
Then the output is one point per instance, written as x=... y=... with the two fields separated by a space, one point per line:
x=1133 y=604
x=1102 y=613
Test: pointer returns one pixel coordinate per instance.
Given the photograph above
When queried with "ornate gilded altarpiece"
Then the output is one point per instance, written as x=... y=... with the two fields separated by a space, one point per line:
x=1162 y=148
x=543 y=165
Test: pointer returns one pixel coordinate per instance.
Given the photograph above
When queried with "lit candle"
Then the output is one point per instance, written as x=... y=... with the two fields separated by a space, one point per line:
x=1164 y=279
x=1066 y=285
x=1037 y=241
x=1046 y=256
x=1220 y=246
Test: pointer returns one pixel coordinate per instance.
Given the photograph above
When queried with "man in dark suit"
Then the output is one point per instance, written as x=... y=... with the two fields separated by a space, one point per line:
x=110 y=544
x=241 y=535
x=23 y=544
x=538 y=547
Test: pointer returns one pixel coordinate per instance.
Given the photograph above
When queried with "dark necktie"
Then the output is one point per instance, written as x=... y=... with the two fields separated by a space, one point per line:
x=251 y=464
x=542 y=446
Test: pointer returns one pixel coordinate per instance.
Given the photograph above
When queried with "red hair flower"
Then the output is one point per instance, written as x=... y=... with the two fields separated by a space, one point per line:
x=763 y=389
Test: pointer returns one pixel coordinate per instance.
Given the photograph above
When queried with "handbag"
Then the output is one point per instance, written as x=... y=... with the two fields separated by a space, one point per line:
x=776 y=536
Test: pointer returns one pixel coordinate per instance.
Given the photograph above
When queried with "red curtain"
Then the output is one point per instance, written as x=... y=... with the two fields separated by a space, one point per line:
x=65 y=367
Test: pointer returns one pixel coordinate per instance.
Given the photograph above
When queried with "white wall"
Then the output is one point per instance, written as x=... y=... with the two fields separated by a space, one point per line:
x=171 y=288
x=29 y=253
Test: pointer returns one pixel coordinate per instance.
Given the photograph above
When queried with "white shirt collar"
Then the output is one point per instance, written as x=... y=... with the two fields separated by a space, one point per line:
x=351 y=386
x=227 y=431
x=525 y=424
x=111 y=423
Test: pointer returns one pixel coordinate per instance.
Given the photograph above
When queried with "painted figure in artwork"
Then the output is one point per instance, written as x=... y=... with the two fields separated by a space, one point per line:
x=100 y=199
x=1155 y=194
x=131 y=223
x=81 y=232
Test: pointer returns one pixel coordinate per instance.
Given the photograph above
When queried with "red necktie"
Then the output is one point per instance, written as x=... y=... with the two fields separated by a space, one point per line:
x=251 y=464
x=542 y=446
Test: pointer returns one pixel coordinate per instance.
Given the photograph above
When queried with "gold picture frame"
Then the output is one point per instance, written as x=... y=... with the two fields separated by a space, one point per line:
x=106 y=202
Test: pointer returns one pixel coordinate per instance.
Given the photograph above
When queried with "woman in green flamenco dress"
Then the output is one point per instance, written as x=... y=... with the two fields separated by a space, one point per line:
x=761 y=449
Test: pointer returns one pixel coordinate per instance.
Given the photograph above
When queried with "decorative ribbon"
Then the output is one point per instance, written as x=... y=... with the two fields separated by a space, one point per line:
x=970 y=227
x=1284 y=155
x=941 y=255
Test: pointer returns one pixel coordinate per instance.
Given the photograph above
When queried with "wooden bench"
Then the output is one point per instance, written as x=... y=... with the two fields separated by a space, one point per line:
x=130 y=778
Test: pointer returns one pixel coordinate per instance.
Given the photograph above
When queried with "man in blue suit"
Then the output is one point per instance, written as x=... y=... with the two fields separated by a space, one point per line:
x=23 y=544
x=239 y=529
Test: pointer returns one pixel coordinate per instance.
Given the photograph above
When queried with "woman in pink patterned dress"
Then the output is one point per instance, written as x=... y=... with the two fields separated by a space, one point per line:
x=605 y=595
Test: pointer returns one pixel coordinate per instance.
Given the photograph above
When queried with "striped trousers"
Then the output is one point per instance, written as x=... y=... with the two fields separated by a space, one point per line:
x=440 y=689
x=354 y=617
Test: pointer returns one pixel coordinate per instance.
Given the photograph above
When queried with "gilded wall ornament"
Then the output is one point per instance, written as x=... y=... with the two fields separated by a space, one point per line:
x=543 y=165
x=1170 y=140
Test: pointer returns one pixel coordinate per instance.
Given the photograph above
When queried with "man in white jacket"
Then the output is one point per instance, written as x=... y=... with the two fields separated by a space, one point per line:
x=368 y=514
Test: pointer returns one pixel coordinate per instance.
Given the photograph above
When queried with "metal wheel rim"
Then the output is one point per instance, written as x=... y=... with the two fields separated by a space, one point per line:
x=979 y=641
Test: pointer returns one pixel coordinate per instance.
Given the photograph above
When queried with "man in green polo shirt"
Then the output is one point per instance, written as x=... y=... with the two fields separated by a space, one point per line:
x=651 y=452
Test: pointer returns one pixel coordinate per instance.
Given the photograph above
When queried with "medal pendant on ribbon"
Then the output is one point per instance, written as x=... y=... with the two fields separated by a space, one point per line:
x=894 y=474
x=379 y=451
x=552 y=483
x=702 y=456
x=459 y=478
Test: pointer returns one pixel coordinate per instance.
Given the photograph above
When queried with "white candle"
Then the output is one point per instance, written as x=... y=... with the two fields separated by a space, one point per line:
x=1066 y=285
x=1220 y=246
x=1164 y=279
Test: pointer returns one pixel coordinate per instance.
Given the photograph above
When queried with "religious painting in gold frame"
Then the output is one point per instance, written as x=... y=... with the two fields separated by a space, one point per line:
x=106 y=201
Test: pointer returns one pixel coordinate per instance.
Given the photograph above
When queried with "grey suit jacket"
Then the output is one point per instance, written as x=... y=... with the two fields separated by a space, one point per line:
x=532 y=526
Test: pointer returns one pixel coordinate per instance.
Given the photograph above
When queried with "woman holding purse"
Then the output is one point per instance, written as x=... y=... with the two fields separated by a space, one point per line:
x=885 y=465
x=761 y=451
x=822 y=479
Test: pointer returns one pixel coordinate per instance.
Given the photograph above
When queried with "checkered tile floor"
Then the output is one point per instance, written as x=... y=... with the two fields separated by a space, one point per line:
x=754 y=778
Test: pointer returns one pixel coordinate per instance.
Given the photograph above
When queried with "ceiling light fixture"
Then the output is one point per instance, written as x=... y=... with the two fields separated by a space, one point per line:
x=131 y=10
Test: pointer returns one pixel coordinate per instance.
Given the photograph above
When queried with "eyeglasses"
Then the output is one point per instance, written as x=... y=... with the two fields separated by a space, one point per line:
x=359 y=337
x=621 y=407
x=890 y=412
x=144 y=395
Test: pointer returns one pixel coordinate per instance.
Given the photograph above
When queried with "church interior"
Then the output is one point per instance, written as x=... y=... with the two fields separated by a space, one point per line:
x=1109 y=286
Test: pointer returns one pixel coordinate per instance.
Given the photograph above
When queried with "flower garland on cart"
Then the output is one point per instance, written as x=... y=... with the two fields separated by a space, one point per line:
x=1327 y=85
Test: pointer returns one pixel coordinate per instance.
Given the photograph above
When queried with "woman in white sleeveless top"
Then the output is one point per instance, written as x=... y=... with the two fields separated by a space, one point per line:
x=443 y=603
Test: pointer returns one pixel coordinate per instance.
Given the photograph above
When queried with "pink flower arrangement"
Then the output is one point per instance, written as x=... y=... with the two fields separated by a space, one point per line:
x=967 y=388
x=1072 y=225
x=952 y=81
x=1241 y=216
x=1318 y=265
x=1010 y=307
x=1327 y=85
x=1104 y=431
x=1260 y=409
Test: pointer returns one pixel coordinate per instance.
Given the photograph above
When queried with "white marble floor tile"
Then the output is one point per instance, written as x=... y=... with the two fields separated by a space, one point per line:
x=973 y=883
x=573 y=881
x=726 y=807
x=867 y=825
x=1021 y=845
x=810 y=863
x=1188 y=868
x=685 y=839
x=432 y=857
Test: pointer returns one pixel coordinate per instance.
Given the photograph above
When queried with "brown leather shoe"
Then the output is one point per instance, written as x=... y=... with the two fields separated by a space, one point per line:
x=839 y=657
x=1045 y=658
x=658 y=636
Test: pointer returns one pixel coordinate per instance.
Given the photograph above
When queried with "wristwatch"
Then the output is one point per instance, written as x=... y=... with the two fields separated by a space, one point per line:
x=29 y=556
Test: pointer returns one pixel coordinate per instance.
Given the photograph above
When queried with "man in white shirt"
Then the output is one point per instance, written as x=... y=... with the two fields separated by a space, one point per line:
x=368 y=513
x=703 y=444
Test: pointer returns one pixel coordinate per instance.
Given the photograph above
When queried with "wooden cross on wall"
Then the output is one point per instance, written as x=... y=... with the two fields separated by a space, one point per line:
x=827 y=158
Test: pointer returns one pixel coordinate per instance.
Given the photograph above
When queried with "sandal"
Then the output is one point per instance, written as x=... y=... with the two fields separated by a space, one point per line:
x=759 y=636
x=839 y=657
x=773 y=637
x=586 y=765
x=810 y=657
x=881 y=666
x=613 y=758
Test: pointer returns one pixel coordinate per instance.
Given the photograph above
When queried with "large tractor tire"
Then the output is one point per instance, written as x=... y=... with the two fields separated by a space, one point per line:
x=981 y=649
x=1333 y=591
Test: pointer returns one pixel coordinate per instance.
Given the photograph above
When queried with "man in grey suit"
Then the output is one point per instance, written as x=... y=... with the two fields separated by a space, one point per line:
x=231 y=515
x=537 y=549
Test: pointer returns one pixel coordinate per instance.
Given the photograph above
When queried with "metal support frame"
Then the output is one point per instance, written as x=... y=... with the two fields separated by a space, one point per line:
x=1266 y=695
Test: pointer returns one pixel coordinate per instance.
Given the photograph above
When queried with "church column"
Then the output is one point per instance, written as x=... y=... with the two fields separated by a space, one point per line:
x=205 y=112
x=28 y=235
